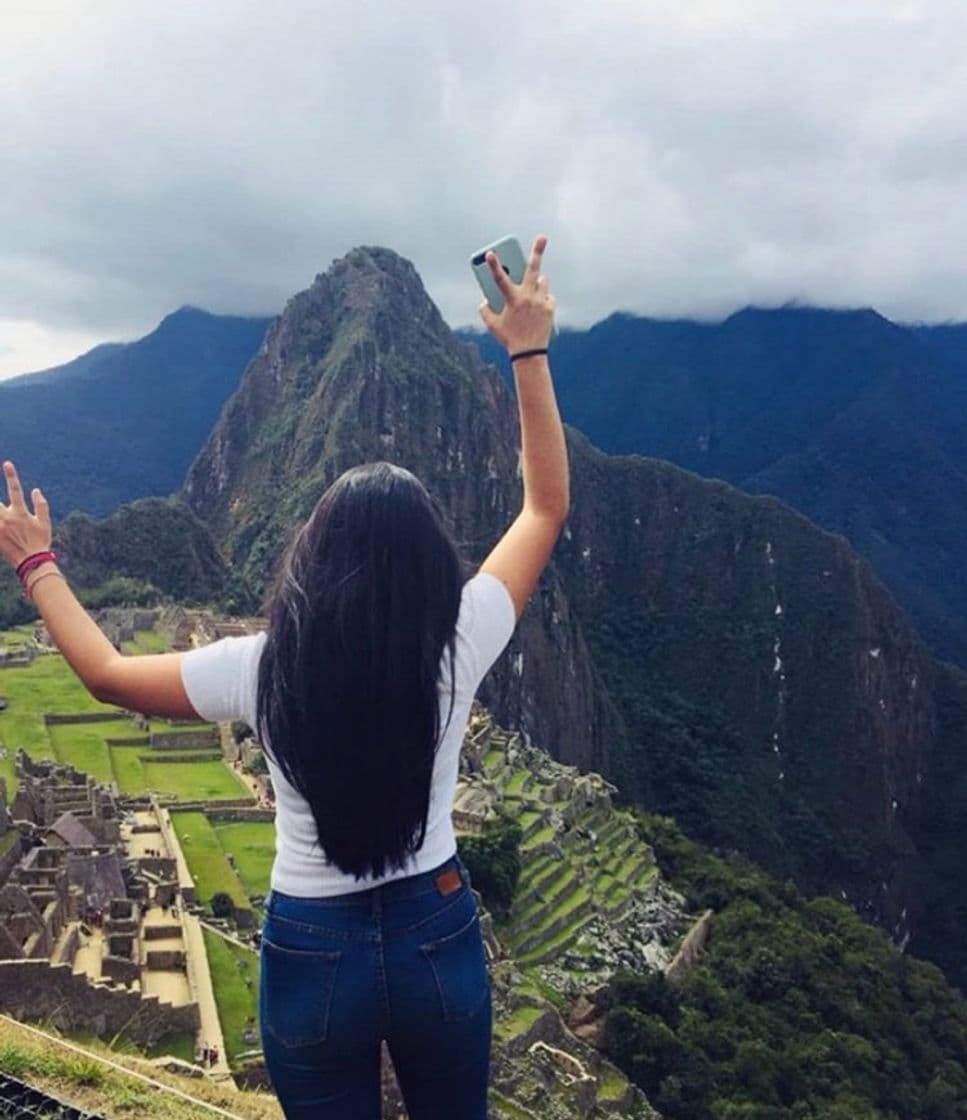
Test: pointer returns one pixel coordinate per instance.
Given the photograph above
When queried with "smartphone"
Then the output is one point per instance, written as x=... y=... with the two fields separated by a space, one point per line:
x=511 y=256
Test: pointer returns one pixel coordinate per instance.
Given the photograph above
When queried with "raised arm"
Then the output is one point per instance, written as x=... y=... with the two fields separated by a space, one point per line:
x=150 y=684
x=525 y=323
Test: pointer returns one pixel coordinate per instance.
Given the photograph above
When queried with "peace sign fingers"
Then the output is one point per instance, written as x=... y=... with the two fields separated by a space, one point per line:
x=22 y=533
x=533 y=270
x=15 y=494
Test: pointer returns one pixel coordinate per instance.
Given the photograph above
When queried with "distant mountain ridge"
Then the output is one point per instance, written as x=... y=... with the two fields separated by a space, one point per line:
x=856 y=421
x=125 y=420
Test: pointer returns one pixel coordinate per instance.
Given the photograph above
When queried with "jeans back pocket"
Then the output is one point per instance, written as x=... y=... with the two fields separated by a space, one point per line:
x=296 y=993
x=460 y=971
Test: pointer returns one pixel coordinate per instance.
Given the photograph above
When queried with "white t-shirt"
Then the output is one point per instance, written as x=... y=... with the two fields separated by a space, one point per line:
x=221 y=680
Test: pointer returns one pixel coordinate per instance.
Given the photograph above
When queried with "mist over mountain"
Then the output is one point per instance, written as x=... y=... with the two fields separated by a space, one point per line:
x=717 y=654
x=124 y=421
x=856 y=421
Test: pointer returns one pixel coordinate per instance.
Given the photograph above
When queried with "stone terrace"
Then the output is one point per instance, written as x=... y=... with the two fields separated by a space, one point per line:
x=582 y=859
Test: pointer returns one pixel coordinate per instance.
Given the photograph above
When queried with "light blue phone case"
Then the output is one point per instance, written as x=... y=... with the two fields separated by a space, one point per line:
x=511 y=256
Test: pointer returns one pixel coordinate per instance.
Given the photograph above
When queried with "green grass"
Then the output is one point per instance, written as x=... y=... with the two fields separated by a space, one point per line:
x=505 y=1109
x=47 y=685
x=196 y=781
x=516 y=783
x=252 y=843
x=82 y=745
x=128 y=771
x=146 y=641
x=237 y=1002
x=519 y=1020
x=206 y=859
x=541 y=837
x=17 y=636
x=611 y=1085
x=492 y=759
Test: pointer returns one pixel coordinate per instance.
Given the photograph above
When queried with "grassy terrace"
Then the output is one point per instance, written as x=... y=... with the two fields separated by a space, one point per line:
x=207 y=845
x=252 y=844
x=557 y=897
x=206 y=859
x=49 y=685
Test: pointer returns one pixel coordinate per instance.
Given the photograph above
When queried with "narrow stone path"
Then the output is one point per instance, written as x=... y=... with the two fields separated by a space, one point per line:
x=196 y=960
x=210 y=1031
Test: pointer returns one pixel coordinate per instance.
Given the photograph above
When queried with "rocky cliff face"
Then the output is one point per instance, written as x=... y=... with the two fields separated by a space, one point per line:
x=725 y=659
x=362 y=367
x=706 y=607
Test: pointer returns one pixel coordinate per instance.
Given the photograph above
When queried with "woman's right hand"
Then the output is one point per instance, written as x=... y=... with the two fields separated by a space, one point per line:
x=526 y=321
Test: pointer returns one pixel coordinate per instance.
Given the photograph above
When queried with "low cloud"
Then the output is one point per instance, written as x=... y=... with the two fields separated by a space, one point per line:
x=685 y=158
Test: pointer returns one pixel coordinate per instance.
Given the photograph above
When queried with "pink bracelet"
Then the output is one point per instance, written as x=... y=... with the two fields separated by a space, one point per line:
x=34 y=561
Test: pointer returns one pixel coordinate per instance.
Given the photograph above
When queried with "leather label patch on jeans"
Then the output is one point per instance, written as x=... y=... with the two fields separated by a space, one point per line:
x=448 y=881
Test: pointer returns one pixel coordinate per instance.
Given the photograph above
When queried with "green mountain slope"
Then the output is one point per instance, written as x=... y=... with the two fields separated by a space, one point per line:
x=796 y=1010
x=125 y=421
x=856 y=421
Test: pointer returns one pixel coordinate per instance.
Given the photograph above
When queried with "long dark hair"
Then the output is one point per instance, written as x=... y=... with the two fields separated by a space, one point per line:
x=348 y=692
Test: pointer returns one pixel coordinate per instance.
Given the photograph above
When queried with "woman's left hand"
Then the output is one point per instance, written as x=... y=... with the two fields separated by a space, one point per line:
x=22 y=533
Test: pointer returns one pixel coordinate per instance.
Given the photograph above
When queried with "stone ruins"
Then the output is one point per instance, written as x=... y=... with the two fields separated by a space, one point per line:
x=90 y=935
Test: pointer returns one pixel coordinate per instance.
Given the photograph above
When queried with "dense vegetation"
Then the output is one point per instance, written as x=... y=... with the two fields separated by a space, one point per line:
x=856 y=421
x=145 y=550
x=493 y=860
x=798 y=1009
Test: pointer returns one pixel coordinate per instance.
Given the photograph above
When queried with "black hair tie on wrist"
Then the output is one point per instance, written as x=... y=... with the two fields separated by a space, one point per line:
x=528 y=353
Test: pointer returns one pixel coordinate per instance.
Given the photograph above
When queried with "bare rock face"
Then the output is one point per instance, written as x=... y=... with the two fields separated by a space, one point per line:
x=361 y=367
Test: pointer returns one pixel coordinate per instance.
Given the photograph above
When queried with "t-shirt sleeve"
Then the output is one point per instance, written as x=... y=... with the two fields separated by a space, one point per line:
x=221 y=679
x=487 y=621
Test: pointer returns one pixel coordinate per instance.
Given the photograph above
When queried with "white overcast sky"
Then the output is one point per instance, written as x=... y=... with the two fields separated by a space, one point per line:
x=686 y=157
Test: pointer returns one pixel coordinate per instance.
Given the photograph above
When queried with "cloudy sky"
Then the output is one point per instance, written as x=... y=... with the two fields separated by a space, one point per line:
x=686 y=157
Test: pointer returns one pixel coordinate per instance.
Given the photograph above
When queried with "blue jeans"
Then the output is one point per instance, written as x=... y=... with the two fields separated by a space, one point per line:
x=402 y=962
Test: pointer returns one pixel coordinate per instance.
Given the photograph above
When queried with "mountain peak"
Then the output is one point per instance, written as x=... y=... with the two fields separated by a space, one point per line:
x=371 y=279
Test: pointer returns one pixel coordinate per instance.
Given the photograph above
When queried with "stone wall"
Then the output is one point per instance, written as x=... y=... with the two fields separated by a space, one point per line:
x=120 y=969
x=165 y=960
x=209 y=806
x=69 y=946
x=241 y=815
x=688 y=953
x=160 y=932
x=55 y=719
x=207 y=756
x=37 y=990
x=10 y=859
x=184 y=740
x=128 y=741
